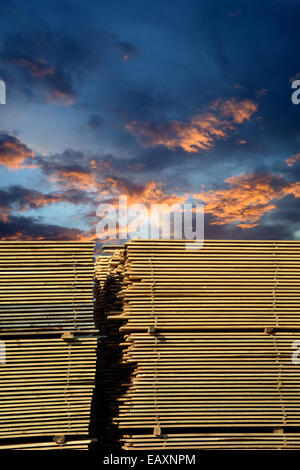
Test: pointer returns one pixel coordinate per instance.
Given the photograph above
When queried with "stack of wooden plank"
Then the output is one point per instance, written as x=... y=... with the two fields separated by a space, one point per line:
x=47 y=329
x=67 y=445
x=46 y=287
x=214 y=441
x=208 y=337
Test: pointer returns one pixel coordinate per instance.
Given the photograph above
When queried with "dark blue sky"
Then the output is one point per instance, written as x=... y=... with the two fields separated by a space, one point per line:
x=158 y=101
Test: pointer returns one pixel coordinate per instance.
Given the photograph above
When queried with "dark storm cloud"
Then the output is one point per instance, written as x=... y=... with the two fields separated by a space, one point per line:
x=287 y=212
x=91 y=174
x=82 y=169
x=274 y=230
x=57 y=62
x=19 y=198
x=144 y=102
x=42 y=60
x=70 y=169
x=29 y=228
x=69 y=158
x=95 y=172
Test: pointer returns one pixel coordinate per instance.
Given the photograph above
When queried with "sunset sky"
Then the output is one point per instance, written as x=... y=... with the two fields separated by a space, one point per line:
x=161 y=101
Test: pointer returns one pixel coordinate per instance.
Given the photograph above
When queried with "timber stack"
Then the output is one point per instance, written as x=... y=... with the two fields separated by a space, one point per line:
x=206 y=339
x=48 y=340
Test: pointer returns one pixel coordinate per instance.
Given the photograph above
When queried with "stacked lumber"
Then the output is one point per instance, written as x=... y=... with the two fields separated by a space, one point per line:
x=113 y=377
x=68 y=445
x=46 y=387
x=46 y=287
x=226 y=284
x=191 y=380
x=208 y=338
x=47 y=326
x=214 y=441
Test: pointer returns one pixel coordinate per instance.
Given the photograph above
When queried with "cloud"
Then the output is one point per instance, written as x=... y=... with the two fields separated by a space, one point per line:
x=127 y=51
x=238 y=111
x=90 y=172
x=293 y=159
x=75 y=178
x=21 y=198
x=95 y=121
x=44 y=63
x=51 y=63
x=13 y=154
x=201 y=132
x=247 y=199
x=37 y=68
x=69 y=169
x=28 y=228
x=274 y=230
x=100 y=176
x=60 y=98
x=16 y=199
x=150 y=192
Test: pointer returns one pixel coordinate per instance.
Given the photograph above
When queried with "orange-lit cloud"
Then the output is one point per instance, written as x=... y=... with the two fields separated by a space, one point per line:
x=201 y=132
x=247 y=198
x=293 y=189
x=60 y=98
x=38 y=68
x=13 y=153
x=146 y=194
x=88 y=236
x=35 y=200
x=74 y=178
x=237 y=111
x=149 y=193
x=20 y=236
x=102 y=165
x=293 y=159
x=4 y=214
